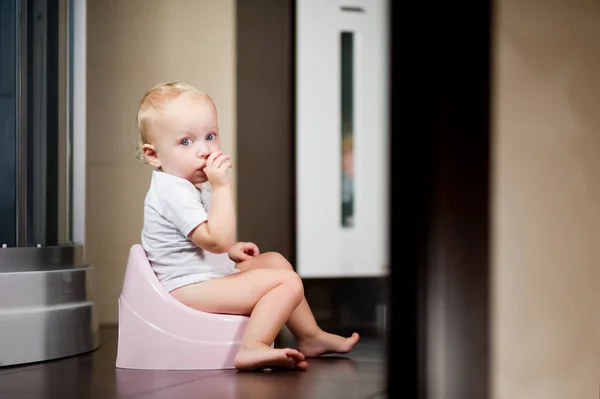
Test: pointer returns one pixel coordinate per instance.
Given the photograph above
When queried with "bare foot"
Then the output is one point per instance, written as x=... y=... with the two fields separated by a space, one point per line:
x=324 y=343
x=263 y=357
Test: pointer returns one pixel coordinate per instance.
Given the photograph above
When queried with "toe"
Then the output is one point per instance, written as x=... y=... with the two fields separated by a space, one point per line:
x=294 y=353
x=303 y=365
x=289 y=352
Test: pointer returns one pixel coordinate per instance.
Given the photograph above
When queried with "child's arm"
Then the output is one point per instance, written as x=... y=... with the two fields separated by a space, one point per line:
x=217 y=234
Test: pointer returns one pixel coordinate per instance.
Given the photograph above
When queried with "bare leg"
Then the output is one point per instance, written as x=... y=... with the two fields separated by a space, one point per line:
x=268 y=296
x=312 y=341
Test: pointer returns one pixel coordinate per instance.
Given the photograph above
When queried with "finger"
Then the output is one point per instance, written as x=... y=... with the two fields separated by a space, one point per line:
x=254 y=247
x=241 y=256
x=216 y=162
x=221 y=160
x=225 y=165
x=214 y=155
x=211 y=158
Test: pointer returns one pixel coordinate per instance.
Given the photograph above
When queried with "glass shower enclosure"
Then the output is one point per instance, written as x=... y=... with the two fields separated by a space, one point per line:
x=46 y=305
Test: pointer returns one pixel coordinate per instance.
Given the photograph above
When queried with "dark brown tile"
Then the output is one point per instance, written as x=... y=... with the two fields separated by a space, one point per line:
x=94 y=376
x=135 y=383
x=326 y=377
x=279 y=384
x=344 y=369
x=89 y=379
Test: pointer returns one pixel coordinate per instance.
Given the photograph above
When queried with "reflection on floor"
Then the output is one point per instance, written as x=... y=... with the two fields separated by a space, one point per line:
x=360 y=374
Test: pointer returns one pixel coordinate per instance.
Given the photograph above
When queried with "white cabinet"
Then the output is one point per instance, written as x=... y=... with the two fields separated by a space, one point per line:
x=342 y=138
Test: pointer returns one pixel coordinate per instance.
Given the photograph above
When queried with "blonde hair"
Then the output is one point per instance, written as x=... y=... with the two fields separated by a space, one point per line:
x=155 y=100
x=347 y=143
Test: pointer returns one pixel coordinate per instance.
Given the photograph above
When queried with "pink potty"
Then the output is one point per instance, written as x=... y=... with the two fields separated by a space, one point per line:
x=157 y=332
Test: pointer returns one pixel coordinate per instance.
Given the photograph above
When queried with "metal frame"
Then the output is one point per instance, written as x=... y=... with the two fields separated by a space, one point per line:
x=21 y=124
x=25 y=259
x=78 y=139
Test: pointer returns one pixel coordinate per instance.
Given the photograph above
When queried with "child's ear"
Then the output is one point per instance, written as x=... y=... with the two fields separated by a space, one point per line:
x=151 y=155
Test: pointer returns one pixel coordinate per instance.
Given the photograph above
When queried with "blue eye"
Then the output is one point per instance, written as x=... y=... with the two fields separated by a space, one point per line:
x=186 y=142
x=210 y=137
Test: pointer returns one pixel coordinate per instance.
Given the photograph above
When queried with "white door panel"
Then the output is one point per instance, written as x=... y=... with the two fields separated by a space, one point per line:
x=325 y=247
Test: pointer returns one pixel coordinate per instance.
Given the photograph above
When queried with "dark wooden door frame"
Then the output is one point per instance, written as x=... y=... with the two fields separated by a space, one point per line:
x=440 y=162
x=440 y=126
x=266 y=188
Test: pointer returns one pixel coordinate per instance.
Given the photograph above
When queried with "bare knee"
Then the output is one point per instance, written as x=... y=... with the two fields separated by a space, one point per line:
x=293 y=283
x=276 y=261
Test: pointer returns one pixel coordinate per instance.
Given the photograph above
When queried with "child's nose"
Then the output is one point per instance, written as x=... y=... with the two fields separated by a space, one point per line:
x=202 y=151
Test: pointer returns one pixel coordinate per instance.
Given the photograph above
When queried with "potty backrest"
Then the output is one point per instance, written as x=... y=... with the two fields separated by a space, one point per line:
x=143 y=291
x=139 y=272
x=144 y=295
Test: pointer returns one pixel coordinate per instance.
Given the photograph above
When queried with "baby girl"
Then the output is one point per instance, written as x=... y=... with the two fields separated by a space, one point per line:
x=190 y=229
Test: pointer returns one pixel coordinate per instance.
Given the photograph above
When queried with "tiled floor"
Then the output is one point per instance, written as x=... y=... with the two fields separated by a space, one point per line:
x=360 y=374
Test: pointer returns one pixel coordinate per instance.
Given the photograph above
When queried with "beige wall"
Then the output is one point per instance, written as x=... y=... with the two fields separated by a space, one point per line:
x=546 y=260
x=546 y=210
x=132 y=45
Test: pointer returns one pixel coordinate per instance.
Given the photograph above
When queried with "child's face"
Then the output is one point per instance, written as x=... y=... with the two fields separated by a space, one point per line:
x=348 y=162
x=186 y=133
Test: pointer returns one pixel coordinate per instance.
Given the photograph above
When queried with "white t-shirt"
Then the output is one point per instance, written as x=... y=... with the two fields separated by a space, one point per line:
x=172 y=209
